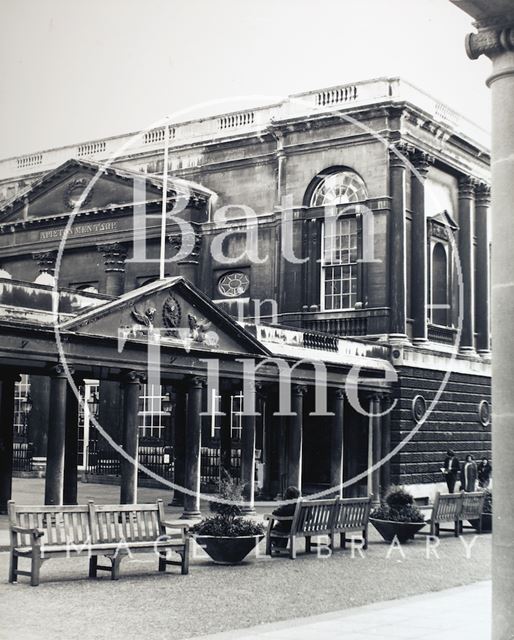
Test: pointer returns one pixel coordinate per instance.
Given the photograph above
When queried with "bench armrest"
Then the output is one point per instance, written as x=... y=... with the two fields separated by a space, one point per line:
x=35 y=533
x=270 y=516
x=175 y=525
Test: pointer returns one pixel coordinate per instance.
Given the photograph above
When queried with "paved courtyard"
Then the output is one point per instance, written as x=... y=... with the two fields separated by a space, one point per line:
x=214 y=599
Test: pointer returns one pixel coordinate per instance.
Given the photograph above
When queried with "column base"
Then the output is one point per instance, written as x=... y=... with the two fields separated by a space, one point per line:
x=190 y=515
x=419 y=341
x=248 y=510
x=467 y=350
x=485 y=353
x=398 y=339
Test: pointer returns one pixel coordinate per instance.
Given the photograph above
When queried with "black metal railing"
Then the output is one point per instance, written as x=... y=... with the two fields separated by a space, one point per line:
x=22 y=456
x=210 y=464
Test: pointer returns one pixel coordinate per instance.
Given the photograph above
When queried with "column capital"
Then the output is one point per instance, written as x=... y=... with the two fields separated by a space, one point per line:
x=133 y=377
x=115 y=254
x=338 y=393
x=421 y=161
x=467 y=186
x=491 y=40
x=195 y=382
x=482 y=194
x=190 y=243
x=58 y=371
x=400 y=153
x=46 y=260
x=298 y=389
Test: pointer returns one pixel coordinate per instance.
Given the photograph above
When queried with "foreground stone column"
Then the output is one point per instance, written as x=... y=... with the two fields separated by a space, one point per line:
x=336 y=442
x=179 y=443
x=295 y=438
x=71 y=447
x=6 y=439
x=193 y=444
x=130 y=433
x=374 y=448
x=495 y=38
x=54 y=480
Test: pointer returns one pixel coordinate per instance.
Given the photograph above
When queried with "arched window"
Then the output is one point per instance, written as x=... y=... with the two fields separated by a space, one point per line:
x=439 y=280
x=339 y=187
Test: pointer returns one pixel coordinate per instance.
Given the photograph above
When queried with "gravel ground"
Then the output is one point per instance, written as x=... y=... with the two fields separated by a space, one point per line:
x=215 y=598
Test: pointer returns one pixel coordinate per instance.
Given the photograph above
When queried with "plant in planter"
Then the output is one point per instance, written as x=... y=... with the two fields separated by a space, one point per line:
x=487 y=513
x=227 y=537
x=397 y=516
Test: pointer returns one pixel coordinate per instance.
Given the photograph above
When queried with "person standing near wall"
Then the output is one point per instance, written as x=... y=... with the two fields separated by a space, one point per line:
x=451 y=470
x=469 y=474
x=485 y=471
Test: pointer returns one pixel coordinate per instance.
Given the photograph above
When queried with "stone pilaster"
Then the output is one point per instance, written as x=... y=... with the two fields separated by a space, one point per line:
x=482 y=288
x=295 y=437
x=467 y=262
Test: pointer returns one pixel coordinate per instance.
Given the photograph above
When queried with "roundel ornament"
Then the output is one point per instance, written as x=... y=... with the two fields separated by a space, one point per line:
x=484 y=413
x=171 y=313
x=419 y=407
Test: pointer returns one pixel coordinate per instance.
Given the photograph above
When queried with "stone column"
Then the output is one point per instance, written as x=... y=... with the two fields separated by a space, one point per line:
x=191 y=244
x=385 y=429
x=295 y=437
x=397 y=249
x=419 y=288
x=193 y=443
x=336 y=442
x=495 y=38
x=179 y=443
x=6 y=439
x=482 y=290
x=467 y=262
x=54 y=480
x=374 y=449
x=115 y=255
x=71 y=447
x=130 y=432
x=225 y=431
x=248 y=452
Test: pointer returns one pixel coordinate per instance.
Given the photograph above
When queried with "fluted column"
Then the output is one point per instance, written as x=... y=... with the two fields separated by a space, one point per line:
x=190 y=244
x=482 y=289
x=495 y=38
x=295 y=437
x=115 y=255
x=130 y=431
x=336 y=441
x=6 y=439
x=193 y=444
x=466 y=255
x=397 y=252
x=54 y=479
x=421 y=162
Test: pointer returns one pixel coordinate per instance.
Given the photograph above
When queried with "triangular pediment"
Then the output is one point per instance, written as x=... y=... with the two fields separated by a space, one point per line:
x=58 y=191
x=170 y=310
x=445 y=219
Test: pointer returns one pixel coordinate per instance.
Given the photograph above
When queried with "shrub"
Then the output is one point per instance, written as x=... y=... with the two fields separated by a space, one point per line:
x=228 y=521
x=398 y=507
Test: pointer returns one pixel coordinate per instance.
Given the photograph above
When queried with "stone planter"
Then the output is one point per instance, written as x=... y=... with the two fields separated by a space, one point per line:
x=226 y=549
x=487 y=523
x=404 y=531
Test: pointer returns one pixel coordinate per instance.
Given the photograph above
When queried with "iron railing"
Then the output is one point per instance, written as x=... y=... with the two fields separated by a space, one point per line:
x=22 y=456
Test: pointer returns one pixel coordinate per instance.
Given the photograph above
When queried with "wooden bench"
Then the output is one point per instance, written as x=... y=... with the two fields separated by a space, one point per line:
x=38 y=533
x=472 y=507
x=455 y=508
x=352 y=516
x=319 y=518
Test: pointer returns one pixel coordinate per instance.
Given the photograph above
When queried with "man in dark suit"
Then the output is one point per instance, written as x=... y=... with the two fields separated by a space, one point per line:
x=451 y=470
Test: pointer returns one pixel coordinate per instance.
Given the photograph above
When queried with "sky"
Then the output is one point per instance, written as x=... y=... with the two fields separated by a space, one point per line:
x=73 y=71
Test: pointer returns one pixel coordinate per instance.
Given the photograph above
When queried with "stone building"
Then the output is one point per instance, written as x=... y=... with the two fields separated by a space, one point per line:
x=370 y=211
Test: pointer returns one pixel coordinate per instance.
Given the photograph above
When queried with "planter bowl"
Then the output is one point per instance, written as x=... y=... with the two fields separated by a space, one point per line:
x=228 y=549
x=404 y=531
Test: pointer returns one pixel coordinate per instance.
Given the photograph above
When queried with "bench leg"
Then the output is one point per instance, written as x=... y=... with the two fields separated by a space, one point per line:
x=292 y=547
x=457 y=528
x=34 y=570
x=93 y=563
x=342 y=537
x=331 y=542
x=365 y=539
x=13 y=566
x=162 y=563
x=268 y=544
x=308 y=544
x=185 y=559
x=115 y=570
